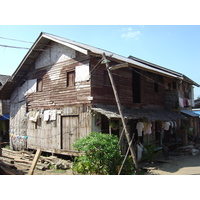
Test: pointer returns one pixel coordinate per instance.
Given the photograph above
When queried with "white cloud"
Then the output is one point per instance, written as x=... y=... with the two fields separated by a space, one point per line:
x=129 y=33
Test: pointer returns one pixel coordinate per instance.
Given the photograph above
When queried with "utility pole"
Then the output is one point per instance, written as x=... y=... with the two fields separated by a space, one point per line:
x=121 y=114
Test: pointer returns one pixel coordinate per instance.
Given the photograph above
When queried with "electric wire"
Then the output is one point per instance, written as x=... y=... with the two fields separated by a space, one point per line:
x=15 y=40
x=15 y=47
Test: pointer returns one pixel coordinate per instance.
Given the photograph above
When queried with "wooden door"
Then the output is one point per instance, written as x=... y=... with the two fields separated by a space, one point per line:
x=69 y=132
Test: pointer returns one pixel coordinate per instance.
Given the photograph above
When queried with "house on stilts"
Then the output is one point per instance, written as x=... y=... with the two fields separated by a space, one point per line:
x=61 y=91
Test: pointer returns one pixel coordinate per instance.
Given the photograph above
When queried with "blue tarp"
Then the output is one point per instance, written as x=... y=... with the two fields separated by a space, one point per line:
x=190 y=113
x=197 y=112
x=5 y=117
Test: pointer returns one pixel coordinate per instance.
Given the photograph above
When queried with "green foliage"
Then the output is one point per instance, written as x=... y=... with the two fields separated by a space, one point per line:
x=114 y=124
x=7 y=147
x=101 y=154
x=149 y=154
x=128 y=168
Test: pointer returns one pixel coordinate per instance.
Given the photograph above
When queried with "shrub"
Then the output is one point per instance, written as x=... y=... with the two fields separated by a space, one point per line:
x=102 y=155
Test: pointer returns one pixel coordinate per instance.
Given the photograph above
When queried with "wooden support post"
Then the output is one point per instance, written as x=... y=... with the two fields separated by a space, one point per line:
x=34 y=163
x=121 y=114
x=110 y=129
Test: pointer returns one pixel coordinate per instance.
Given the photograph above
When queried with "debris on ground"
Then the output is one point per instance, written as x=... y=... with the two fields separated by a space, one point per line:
x=19 y=162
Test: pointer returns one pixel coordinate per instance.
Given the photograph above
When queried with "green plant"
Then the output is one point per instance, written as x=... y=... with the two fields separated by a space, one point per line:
x=114 y=125
x=101 y=154
x=128 y=168
x=7 y=147
x=149 y=153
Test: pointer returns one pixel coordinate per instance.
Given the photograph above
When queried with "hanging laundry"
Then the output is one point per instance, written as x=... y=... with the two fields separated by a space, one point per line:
x=175 y=124
x=53 y=115
x=31 y=114
x=139 y=151
x=166 y=126
x=184 y=102
x=148 y=129
x=171 y=124
x=139 y=127
x=181 y=102
x=46 y=115
x=188 y=102
x=34 y=115
x=174 y=127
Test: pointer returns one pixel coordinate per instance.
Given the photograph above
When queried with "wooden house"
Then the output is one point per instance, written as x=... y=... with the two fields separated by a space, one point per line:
x=61 y=92
x=4 y=113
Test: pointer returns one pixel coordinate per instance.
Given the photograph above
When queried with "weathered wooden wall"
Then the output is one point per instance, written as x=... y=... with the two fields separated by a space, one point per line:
x=51 y=68
x=58 y=135
x=103 y=94
x=55 y=91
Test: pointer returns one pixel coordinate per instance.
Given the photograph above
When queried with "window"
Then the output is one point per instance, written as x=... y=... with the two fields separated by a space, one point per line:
x=174 y=85
x=156 y=87
x=136 y=88
x=70 y=78
x=39 y=85
x=169 y=86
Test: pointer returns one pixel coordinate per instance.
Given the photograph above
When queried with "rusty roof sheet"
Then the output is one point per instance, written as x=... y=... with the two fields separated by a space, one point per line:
x=134 y=113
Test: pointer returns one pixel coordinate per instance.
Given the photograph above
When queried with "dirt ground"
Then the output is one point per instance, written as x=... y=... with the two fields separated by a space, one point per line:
x=53 y=172
x=178 y=165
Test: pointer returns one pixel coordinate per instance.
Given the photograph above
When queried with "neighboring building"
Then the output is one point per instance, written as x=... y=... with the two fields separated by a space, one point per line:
x=61 y=92
x=4 y=113
x=197 y=103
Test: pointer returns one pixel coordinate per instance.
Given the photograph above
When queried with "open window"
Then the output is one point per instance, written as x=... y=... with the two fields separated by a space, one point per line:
x=136 y=86
x=156 y=87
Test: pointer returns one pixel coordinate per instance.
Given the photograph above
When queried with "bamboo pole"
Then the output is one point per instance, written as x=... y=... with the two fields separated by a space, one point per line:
x=121 y=114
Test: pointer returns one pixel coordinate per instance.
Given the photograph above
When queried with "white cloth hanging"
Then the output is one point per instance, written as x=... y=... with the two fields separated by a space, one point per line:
x=166 y=126
x=53 y=115
x=46 y=115
x=139 y=152
x=148 y=129
x=139 y=127
x=33 y=116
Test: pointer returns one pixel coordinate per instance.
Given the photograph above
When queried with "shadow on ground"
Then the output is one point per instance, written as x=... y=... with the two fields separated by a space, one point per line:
x=178 y=165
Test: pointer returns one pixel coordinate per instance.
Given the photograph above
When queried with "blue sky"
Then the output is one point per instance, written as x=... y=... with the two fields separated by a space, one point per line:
x=175 y=47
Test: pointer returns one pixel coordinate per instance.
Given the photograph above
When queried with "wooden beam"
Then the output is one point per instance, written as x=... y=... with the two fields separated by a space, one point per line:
x=34 y=163
x=121 y=115
x=118 y=66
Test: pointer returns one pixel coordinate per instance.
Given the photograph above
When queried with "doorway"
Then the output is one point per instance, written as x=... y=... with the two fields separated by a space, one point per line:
x=69 y=131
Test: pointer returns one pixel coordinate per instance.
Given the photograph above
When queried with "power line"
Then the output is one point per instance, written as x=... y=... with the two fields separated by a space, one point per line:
x=15 y=40
x=15 y=47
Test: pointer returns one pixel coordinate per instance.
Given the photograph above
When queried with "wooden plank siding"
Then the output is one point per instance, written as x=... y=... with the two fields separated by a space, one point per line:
x=103 y=94
x=70 y=101
x=55 y=93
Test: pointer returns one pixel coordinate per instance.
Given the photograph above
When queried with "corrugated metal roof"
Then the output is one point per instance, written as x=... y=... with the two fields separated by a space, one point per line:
x=133 y=113
x=190 y=113
x=165 y=69
x=99 y=51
